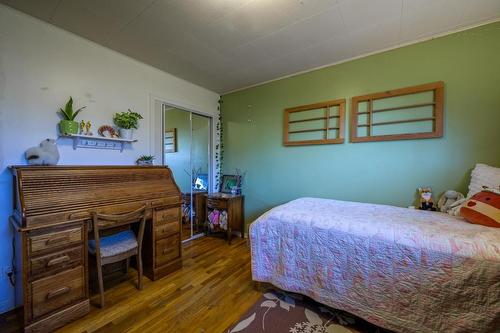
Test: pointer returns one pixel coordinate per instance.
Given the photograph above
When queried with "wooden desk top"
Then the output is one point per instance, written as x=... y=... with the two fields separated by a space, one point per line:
x=223 y=196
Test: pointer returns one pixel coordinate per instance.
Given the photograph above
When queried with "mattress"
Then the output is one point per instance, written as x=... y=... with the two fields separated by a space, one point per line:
x=402 y=269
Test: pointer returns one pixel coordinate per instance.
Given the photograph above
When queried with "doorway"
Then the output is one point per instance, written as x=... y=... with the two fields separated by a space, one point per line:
x=187 y=152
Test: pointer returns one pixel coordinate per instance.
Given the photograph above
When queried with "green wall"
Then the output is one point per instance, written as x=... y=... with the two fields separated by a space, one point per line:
x=379 y=172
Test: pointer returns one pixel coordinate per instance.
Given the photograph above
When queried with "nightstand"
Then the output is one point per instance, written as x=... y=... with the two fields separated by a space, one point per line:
x=233 y=206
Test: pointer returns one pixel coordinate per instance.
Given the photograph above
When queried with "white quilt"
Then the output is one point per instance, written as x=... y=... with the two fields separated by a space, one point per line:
x=402 y=269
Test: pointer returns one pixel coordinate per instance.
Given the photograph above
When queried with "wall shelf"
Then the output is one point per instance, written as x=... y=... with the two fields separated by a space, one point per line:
x=97 y=142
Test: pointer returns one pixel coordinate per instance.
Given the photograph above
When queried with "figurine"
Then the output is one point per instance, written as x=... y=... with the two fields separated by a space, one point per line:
x=45 y=154
x=82 y=127
x=87 y=128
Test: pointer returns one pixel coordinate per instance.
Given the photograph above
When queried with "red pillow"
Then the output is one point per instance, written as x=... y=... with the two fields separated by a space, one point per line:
x=483 y=208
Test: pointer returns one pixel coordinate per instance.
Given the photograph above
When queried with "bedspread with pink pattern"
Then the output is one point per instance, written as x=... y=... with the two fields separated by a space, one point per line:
x=402 y=269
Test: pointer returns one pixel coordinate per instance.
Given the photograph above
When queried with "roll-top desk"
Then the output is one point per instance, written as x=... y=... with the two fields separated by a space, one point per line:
x=52 y=207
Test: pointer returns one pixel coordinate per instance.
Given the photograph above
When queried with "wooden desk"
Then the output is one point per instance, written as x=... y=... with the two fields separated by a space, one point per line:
x=233 y=205
x=52 y=207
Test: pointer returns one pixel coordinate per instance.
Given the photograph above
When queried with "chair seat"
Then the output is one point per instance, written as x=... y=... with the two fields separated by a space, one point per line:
x=115 y=244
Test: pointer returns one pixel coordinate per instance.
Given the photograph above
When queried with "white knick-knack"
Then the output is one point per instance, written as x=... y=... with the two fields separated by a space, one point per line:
x=45 y=154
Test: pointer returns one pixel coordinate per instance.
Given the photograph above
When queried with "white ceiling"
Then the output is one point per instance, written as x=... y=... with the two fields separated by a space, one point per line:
x=225 y=45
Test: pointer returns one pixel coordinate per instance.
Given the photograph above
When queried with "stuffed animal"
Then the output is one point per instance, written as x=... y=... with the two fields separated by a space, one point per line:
x=45 y=154
x=448 y=200
x=425 y=199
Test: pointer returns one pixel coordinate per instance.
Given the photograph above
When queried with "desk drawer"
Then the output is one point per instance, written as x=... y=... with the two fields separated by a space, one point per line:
x=55 y=262
x=56 y=239
x=57 y=291
x=167 y=249
x=167 y=229
x=167 y=215
x=216 y=203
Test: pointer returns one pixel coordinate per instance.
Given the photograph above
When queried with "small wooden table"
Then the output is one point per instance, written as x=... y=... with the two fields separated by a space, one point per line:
x=233 y=205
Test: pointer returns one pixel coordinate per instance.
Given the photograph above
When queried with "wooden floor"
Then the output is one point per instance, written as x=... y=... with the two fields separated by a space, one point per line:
x=186 y=231
x=208 y=294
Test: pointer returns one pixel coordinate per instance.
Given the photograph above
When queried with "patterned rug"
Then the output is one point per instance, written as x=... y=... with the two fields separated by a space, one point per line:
x=283 y=312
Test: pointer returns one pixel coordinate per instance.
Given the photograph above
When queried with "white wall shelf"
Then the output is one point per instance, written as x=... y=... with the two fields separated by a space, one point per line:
x=97 y=142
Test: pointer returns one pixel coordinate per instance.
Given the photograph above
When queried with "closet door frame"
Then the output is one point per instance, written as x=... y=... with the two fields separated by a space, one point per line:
x=210 y=119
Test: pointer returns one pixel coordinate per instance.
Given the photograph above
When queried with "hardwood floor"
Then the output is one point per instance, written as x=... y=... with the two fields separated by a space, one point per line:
x=186 y=231
x=212 y=290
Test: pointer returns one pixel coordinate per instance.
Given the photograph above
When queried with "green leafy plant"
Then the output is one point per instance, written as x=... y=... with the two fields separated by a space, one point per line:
x=68 y=113
x=146 y=158
x=127 y=120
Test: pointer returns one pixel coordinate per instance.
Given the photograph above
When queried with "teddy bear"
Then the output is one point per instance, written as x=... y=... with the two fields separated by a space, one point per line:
x=45 y=154
x=425 y=199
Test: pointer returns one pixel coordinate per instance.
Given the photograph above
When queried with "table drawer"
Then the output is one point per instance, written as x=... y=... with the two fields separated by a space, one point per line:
x=216 y=203
x=55 y=261
x=167 y=229
x=167 y=215
x=57 y=291
x=167 y=249
x=55 y=239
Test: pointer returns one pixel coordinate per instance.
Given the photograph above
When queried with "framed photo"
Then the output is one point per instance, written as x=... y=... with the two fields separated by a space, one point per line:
x=201 y=182
x=230 y=181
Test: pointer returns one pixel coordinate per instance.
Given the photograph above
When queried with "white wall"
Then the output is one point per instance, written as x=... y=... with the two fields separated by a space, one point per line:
x=40 y=67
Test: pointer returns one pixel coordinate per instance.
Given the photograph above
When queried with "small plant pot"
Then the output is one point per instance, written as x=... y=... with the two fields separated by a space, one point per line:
x=144 y=162
x=126 y=133
x=68 y=127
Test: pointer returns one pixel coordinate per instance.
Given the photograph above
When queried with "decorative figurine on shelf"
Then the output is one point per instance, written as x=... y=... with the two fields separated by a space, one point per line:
x=82 y=127
x=88 y=125
x=425 y=198
x=45 y=154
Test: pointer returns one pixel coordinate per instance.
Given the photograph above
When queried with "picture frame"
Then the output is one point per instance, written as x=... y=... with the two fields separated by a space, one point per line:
x=229 y=181
x=201 y=182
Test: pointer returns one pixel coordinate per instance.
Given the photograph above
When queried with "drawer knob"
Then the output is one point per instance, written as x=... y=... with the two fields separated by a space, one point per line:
x=58 y=292
x=57 y=261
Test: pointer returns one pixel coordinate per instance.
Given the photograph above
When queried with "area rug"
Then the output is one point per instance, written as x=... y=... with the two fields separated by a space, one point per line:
x=283 y=312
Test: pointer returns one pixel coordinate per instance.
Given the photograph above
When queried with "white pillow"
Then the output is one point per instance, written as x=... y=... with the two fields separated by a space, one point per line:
x=483 y=175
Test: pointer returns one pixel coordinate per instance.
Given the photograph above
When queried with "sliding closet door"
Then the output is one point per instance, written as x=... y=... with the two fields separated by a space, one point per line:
x=200 y=161
x=186 y=146
x=177 y=156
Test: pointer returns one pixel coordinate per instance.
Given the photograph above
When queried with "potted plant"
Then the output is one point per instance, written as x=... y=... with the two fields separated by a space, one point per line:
x=127 y=122
x=68 y=125
x=145 y=160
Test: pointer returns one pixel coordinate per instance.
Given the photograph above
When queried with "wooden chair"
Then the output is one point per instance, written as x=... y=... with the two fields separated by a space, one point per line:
x=117 y=246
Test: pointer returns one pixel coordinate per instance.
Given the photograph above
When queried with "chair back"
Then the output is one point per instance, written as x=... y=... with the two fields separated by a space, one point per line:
x=101 y=222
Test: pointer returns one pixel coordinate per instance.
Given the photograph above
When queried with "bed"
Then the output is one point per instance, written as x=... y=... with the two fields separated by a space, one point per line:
x=402 y=269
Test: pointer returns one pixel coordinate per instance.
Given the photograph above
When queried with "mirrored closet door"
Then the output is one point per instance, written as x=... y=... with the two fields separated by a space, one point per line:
x=187 y=151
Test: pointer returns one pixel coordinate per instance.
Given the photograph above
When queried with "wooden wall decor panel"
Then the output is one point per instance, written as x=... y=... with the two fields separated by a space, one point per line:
x=170 y=140
x=435 y=102
x=315 y=119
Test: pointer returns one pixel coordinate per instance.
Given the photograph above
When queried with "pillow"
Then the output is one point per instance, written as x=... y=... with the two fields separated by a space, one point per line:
x=483 y=175
x=483 y=208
